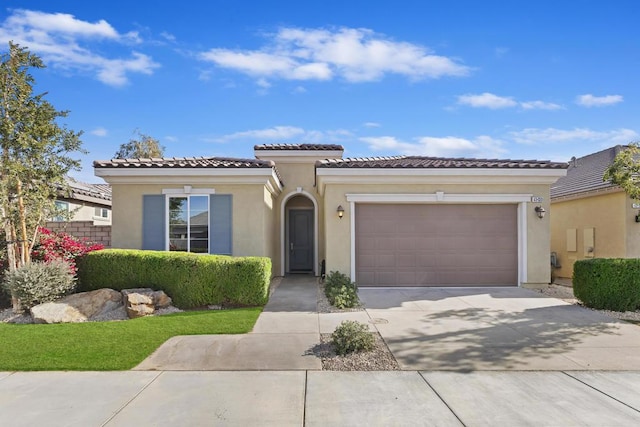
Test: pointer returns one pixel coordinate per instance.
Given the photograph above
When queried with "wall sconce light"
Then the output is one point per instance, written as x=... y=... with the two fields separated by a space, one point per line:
x=540 y=211
x=638 y=217
x=340 y=211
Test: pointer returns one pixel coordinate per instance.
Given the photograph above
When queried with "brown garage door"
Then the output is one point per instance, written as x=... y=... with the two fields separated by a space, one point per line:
x=436 y=245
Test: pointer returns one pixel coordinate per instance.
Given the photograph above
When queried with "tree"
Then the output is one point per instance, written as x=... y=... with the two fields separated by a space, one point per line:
x=34 y=154
x=144 y=146
x=625 y=170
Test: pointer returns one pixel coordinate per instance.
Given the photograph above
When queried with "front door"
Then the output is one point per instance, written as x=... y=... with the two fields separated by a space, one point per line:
x=300 y=240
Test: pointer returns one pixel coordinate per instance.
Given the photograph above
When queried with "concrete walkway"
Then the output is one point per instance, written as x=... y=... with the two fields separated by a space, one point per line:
x=299 y=398
x=452 y=329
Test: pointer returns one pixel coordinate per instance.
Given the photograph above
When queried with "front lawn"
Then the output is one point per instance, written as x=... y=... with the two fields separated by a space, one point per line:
x=106 y=346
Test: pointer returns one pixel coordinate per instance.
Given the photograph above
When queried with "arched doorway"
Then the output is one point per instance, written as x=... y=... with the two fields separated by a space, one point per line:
x=299 y=234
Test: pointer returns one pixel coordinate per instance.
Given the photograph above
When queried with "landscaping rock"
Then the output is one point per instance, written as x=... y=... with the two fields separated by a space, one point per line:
x=79 y=307
x=138 y=304
x=159 y=298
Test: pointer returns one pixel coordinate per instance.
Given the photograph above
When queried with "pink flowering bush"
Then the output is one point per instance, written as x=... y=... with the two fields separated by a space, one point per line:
x=60 y=246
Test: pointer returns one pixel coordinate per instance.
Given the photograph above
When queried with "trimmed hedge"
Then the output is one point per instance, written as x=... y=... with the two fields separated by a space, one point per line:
x=608 y=283
x=190 y=280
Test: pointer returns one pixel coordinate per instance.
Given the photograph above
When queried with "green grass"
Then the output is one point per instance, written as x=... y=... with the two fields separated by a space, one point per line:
x=106 y=346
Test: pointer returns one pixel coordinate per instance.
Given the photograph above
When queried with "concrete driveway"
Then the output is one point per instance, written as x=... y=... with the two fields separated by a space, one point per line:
x=469 y=329
x=432 y=329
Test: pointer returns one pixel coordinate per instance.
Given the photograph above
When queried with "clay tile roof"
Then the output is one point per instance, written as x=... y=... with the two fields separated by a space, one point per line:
x=585 y=173
x=187 y=163
x=183 y=162
x=417 y=162
x=299 y=147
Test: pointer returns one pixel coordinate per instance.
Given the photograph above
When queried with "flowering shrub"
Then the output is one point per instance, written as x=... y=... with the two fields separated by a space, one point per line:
x=62 y=247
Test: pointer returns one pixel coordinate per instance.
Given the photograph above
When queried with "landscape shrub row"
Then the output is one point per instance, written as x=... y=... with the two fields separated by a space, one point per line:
x=608 y=283
x=340 y=291
x=190 y=280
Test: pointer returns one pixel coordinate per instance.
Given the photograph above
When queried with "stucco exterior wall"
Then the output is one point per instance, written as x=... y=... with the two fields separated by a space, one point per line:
x=249 y=218
x=609 y=214
x=298 y=175
x=338 y=231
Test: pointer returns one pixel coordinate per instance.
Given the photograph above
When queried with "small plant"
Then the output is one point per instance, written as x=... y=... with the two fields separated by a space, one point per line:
x=340 y=290
x=351 y=337
x=40 y=282
x=61 y=246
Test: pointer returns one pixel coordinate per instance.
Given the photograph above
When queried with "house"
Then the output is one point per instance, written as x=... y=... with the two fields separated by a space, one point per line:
x=590 y=217
x=385 y=221
x=85 y=202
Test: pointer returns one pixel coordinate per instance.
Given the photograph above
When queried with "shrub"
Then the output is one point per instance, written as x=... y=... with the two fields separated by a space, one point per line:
x=190 y=280
x=40 y=282
x=61 y=246
x=340 y=290
x=610 y=284
x=352 y=336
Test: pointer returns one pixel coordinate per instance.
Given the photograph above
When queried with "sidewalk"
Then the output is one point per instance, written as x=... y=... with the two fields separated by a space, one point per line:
x=312 y=398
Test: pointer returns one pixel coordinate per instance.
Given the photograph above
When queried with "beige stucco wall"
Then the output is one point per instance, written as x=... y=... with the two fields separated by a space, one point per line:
x=296 y=175
x=338 y=235
x=249 y=217
x=610 y=214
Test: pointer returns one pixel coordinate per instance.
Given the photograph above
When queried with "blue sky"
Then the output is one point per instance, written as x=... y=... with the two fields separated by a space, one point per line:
x=505 y=79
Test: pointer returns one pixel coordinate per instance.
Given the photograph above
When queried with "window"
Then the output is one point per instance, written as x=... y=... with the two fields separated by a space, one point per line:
x=189 y=224
x=61 y=211
x=102 y=213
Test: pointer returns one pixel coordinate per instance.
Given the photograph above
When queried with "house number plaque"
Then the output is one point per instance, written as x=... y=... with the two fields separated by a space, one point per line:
x=536 y=199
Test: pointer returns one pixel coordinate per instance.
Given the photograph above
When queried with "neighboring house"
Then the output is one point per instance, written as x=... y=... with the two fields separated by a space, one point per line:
x=589 y=217
x=393 y=221
x=85 y=202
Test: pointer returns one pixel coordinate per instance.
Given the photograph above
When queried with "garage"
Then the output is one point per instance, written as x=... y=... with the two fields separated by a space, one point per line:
x=436 y=244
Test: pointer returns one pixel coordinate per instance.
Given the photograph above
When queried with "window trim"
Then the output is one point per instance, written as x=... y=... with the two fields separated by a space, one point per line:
x=176 y=194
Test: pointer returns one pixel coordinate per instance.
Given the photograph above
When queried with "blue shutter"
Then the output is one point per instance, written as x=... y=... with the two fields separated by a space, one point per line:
x=153 y=222
x=220 y=224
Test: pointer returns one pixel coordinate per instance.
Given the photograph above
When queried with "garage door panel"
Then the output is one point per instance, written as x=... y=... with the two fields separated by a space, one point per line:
x=436 y=245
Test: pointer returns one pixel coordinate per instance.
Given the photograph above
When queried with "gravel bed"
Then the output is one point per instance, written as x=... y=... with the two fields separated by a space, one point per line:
x=323 y=305
x=8 y=316
x=378 y=359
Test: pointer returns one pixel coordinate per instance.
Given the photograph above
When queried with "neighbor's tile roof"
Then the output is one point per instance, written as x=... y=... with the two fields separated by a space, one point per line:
x=417 y=162
x=299 y=147
x=99 y=191
x=585 y=173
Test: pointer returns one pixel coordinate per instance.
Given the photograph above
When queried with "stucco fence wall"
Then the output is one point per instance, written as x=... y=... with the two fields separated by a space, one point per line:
x=84 y=230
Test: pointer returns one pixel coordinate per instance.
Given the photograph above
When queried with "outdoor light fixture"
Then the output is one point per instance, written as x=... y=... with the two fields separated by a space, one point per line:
x=540 y=211
x=340 y=211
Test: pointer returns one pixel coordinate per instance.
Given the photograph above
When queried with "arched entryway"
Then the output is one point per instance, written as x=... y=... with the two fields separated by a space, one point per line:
x=299 y=234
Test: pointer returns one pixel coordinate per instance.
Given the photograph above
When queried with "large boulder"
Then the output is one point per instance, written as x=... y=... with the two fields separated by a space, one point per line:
x=144 y=301
x=79 y=307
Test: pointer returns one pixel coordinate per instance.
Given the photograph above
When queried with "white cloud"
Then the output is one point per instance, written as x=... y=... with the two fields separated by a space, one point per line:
x=274 y=133
x=299 y=89
x=449 y=146
x=540 y=105
x=355 y=55
x=287 y=134
x=590 y=100
x=63 y=42
x=263 y=83
x=495 y=102
x=99 y=131
x=501 y=51
x=171 y=138
x=553 y=135
x=371 y=125
x=168 y=36
x=487 y=100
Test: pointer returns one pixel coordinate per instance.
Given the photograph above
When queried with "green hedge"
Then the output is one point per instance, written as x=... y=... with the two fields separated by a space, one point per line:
x=190 y=280
x=608 y=283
